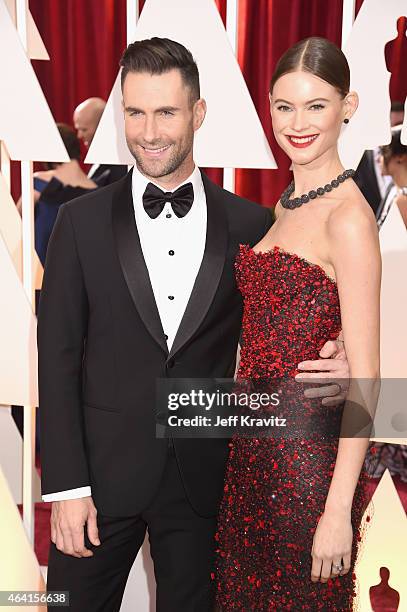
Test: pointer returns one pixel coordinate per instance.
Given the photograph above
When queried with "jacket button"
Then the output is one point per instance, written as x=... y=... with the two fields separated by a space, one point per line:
x=170 y=363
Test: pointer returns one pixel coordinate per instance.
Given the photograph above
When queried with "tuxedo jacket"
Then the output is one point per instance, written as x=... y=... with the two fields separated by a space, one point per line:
x=102 y=347
x=106 y=174
x=366 y=179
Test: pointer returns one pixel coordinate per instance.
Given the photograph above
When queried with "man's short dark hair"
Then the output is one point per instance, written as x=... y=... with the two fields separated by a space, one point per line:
x=70 y=140
x=395 y=148
x=160 y=55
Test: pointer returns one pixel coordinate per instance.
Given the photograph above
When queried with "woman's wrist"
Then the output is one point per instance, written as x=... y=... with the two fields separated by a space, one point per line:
x=338 y=507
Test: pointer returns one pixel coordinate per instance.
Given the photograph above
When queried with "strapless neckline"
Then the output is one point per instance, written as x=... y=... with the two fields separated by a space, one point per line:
x=290 y=254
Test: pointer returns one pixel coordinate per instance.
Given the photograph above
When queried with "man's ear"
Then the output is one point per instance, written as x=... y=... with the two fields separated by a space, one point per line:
x=199 y=113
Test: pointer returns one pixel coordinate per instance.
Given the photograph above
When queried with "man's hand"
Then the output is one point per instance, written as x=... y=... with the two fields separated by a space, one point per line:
x=332 y=367
x=68 y=520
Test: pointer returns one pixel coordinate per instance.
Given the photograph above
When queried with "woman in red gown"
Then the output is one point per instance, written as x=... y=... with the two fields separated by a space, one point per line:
x=290 y=520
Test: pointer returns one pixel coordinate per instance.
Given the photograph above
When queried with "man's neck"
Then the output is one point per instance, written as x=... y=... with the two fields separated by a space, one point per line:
x=169 y=182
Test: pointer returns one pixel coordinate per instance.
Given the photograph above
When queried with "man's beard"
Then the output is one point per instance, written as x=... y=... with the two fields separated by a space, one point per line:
x=157 y=168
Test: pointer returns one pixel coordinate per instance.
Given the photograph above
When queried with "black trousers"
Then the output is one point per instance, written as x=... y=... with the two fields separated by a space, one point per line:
x=182 y=547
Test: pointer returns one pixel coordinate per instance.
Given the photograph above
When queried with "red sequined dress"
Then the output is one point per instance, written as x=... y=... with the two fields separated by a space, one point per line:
x=275 y=488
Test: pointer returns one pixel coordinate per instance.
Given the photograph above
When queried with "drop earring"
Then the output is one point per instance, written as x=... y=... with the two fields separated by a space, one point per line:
x=346 y=120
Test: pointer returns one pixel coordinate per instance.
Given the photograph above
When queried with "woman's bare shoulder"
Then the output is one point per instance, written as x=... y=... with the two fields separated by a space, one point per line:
x=351 y=214
x=277 y=209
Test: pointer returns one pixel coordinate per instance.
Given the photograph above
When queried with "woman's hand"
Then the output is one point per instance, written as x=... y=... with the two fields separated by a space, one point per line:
x=332 y=545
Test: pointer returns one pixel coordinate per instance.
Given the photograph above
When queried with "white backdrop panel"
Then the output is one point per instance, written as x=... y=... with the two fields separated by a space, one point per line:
x=11 y=228
x=18 y=334
x=231 y=135
x=374 y=27
x=393 y=324
x=383 y=545
x=35 y=44
x=26 y=123
x=19 y=569
x=11 y=457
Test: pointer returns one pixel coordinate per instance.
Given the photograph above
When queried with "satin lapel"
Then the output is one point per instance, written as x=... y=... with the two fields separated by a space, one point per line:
x=132 y=261
x=211 y=268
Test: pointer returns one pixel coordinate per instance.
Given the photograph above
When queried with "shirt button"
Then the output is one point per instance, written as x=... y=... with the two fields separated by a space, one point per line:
x=165 y=336
x=168 y=216
x=170 y=297
x=171 y=252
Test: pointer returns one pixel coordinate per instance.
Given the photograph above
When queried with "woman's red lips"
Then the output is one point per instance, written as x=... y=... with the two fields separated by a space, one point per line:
x=300 y=142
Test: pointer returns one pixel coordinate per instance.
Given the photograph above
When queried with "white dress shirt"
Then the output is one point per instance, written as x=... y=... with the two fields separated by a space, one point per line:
x=391 y=196
x=173 y=249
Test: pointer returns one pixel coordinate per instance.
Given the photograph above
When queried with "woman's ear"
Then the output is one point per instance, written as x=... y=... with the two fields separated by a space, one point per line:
x=351 y=104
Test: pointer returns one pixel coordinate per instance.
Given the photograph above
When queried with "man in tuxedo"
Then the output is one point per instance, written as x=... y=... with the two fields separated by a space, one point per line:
x=139 y=284
x=368 y=177
x=86 y=119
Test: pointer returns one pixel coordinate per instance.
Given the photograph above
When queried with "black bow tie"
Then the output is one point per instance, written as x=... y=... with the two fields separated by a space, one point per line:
x=181 y=200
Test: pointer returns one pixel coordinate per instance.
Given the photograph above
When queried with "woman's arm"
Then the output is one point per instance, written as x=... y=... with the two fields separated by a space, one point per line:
x=43 y=176
x=19 y=205
x=355 y=255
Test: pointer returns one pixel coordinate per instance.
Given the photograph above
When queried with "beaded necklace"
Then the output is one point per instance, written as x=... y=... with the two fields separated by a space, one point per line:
x=286 y=202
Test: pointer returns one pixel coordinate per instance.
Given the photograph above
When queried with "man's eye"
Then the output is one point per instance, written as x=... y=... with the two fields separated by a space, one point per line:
x=135 y=113
x=167 y=113
x=283 y=107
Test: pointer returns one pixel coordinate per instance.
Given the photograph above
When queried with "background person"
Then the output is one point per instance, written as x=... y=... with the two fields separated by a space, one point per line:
x=368 y=177
x=393 y=163
x=60 y=183
x=86 y=119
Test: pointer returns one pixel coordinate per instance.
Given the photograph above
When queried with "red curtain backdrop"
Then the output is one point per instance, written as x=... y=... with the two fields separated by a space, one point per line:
x=396 y=61
x=85 y=39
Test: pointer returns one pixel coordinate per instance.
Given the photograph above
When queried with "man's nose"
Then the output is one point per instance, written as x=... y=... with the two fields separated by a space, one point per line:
x=150 y=129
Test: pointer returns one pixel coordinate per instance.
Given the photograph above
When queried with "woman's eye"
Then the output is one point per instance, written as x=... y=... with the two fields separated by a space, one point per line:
x=283 y=107
x=317 y=107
